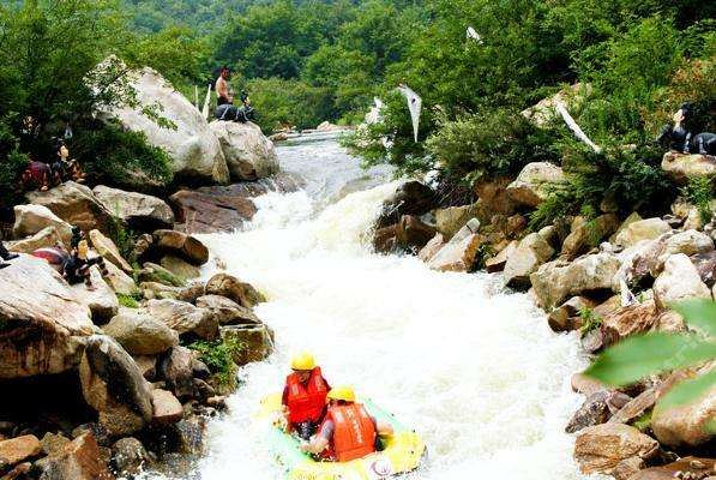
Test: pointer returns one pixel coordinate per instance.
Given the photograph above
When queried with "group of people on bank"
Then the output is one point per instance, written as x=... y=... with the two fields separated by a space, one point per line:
x=329 y=421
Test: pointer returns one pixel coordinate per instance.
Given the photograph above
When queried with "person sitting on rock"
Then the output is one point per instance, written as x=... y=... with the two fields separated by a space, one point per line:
x=304 y=396
x=6 y=256
x=680 y=138
x=348 y=431
x=225 y=108
x=63 y=167
x=37 y=176
x=74 y=265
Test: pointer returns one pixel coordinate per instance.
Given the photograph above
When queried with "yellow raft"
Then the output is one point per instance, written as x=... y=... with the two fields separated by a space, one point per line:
x=402 y=453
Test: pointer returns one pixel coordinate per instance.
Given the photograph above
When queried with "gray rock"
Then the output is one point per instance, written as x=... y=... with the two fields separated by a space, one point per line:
x=183 y=317
x=100 y=298
x=175 y=367
x=139 y=211
x=32 y=219
x=532 y=252
x=129 y=456
x=256 y=342
x=533 y=184
x=679 y=281
x=231 y=287
x=249 y=154
x=226 y=311
x=140 y=334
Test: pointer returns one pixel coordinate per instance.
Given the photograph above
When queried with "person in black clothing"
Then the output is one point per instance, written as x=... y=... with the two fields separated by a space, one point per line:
x=6 y=256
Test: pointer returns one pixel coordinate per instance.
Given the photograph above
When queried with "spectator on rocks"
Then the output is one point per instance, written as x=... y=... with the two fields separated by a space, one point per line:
x=6 y=256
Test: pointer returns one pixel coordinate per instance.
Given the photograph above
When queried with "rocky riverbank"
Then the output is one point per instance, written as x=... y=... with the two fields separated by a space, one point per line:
x=583 y=273
x=110 y=379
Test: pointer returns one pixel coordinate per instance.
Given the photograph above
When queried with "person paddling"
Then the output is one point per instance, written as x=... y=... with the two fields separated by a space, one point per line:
x=348 y=431
x=304 y=396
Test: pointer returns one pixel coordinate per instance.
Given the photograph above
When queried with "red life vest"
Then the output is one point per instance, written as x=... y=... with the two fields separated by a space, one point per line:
x=354 y=433
x=306 y=402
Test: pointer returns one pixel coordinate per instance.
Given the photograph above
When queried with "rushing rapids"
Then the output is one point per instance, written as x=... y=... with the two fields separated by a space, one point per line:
x=474 y=369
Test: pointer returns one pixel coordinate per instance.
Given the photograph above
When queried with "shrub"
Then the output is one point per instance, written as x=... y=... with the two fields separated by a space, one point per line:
x=122 y=158
x=218 y=356
x=700 y=191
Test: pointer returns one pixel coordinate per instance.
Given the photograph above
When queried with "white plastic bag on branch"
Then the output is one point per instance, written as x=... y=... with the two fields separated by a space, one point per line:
x=415 y=105
x=575 y=128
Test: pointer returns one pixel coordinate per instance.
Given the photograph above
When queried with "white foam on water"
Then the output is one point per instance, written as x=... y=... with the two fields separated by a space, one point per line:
x=475 y=371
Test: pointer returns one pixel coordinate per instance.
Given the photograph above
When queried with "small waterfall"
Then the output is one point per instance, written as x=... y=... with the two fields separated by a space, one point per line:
x=475 y=371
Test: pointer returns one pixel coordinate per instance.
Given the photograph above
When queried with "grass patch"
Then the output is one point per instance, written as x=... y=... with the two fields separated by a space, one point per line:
x=699 y=192
x=219 y=357
x=131 y=300
x=590 y=321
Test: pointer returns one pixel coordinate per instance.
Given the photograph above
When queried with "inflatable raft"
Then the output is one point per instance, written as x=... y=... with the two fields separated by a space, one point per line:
x=402 y=453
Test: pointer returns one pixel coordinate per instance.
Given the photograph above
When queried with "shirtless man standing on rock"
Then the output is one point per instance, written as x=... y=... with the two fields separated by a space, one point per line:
x=224 y=95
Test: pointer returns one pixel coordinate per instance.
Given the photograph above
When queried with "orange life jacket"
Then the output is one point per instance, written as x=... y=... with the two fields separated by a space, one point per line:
x=306 y=402
x=354 y=433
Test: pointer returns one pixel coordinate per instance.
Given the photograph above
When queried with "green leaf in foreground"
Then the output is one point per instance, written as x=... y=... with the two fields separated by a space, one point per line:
x=688 y=391
x=639 y=357
x=700 y=314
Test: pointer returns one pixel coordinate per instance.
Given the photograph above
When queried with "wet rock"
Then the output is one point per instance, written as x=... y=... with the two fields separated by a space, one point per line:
x=167 y=409
x=129 y=456
x=412 y=233
x=256 y=342
x=566 y=317
x=113 y=385
x=183 y=317
x=100 y=298
x=601 y=448
x=249 y=154
x=76 y=205
x=212 y=212
x=19 y=449
x=141 y=212
x=631 y=320
x=498 y=262
x=119 y=282
x=594 y=411
x=556 y=281
x=32 y=219
x=45 y=238
x=680 y=280
x=195 y=152
x=44 y=323
x=531 y=252
x=638 y=231
x=139 y=333
x=53 y=443
x=175 y=367
x=533 y=184
x=461 y=252
x=190 y=436
x=225 y=311
x=153 y=273
x=108 y=250
x=385 y=240
x=232 y=288
x=588 y=235
x=411 y=198
x=432 y=248
x=79 y=460
x=449 y=220
x=171 y=242
x=685 y=426
x=696 y=468
x=179 y=267
x=680 y=167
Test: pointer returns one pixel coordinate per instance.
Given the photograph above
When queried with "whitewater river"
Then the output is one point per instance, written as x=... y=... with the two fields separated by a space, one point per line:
x=475 y=370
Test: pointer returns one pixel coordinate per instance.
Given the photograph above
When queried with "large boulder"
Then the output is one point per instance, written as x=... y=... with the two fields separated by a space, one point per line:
x=686 y=425
x=211 y=212
x=637 y=318
x=181 y=245
x=139 y=211
x=256 y=342
x=119 y=281
x=432 y=248
x=43 y=325
x=449 y=221
x=533 y=184
x=460 y=253
x=76 y=205
x=531 y=252
x=249 y=154
x=679 y=281
x=411 y=198
x=556 y=281
x=227 y=312
x=602 y=448
x=113 y=385
x=637 y=231
x=193 y=148
x=108 y=250
x=32 y=219
x=99 y=298
x=179 y=267
x=176 y=368
x=140 y=334
x=18 y=450
x=681 y=167
x=493 y=198
x=231 y=287
x=183 y=317
x=586 y=235
x=167 y=409
x=48 y=237
x=80 y=459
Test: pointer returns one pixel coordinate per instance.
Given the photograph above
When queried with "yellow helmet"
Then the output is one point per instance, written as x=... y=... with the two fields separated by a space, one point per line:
x=342 y=392
x=303 y=361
